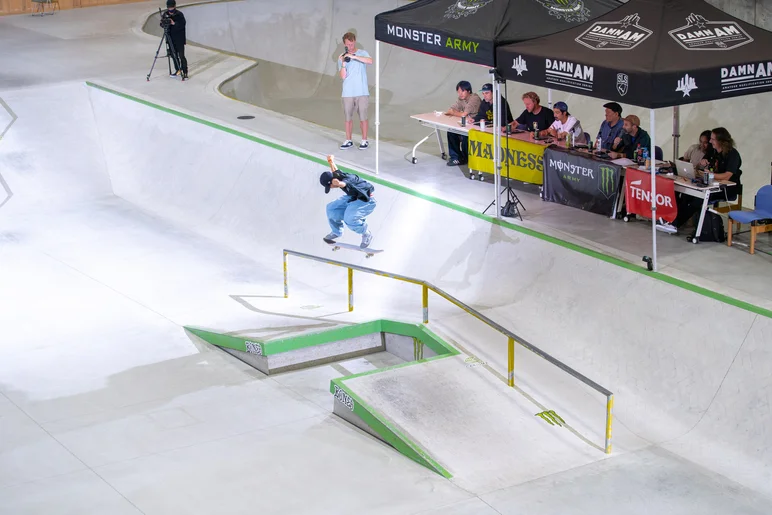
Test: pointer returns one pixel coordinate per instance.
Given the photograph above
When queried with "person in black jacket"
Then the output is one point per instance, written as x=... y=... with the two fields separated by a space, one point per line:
x=353 y=208
x=177 y=36
x=726 y=164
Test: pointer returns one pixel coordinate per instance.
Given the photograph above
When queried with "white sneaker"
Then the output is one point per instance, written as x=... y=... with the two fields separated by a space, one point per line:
x=666 y=227
x=364 y=145
x=367 y=238
x=347 y=144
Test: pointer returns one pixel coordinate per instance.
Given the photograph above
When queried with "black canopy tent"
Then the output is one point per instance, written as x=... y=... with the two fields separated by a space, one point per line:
x=471 y=30
x=649 y=53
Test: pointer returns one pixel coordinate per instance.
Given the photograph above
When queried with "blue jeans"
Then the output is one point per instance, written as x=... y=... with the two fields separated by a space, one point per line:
x=353 y=213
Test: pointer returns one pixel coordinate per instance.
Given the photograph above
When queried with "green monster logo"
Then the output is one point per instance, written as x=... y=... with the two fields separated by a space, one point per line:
x=607 y=180
x=569 y=10
x=551 y=418
x=461 y=8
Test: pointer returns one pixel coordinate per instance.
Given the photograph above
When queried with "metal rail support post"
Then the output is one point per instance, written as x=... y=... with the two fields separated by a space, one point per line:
x=351 y=289
x=511 y=362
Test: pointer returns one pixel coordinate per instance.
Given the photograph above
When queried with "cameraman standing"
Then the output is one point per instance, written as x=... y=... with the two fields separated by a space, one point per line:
x=176 y=36
x=352 y=67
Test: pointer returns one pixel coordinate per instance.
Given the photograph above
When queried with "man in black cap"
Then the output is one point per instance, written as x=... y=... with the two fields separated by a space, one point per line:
x=612 y=126
x=353 y=208
x=486 y=108
x=176 y=37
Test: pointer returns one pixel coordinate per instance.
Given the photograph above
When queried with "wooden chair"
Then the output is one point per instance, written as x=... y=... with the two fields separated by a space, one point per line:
x=729 y=207
x=760 y=218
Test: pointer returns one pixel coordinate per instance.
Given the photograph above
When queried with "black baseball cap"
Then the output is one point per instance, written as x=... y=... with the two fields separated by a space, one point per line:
x=614 y=107
x=487 y=87
x=171 y=3
x=326 y=180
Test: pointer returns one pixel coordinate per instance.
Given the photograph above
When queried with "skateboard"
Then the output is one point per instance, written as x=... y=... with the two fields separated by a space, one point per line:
x=368 y=251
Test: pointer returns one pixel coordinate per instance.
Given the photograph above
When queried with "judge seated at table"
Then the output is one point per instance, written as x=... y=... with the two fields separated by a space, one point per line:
x=486 y=108
x=611 y=128
x=698 y=152
x=725 y=163
x=631 y=139
x=468 y=104
x=535 y=117
x=565 y=123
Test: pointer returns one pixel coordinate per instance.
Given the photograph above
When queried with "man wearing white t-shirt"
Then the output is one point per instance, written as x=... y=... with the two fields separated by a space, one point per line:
x=565 y=123
x=352 y=67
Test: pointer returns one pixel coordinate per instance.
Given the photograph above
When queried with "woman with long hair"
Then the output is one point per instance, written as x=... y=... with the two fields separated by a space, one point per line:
x=726 y=164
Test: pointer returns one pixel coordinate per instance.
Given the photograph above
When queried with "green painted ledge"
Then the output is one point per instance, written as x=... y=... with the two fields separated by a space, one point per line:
x=370 y=416
x=456 y=207
x=302 y=341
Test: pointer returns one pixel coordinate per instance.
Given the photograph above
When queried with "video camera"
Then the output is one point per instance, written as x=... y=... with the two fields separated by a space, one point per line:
x=166 y=18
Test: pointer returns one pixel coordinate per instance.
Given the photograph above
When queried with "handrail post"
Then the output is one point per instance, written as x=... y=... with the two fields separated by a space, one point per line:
x=351 y=289
x=286 y=283
x=425 y=303
x=609 y=421
x=511 y=362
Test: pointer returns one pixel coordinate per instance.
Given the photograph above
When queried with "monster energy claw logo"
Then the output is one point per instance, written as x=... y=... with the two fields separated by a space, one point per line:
x=551 y=418
x=569 y=10
x=461 y=8
x=607 y=180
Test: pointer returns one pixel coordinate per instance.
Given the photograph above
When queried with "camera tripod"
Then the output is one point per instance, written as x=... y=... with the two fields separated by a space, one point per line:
x=510 y=208
x=171 y=52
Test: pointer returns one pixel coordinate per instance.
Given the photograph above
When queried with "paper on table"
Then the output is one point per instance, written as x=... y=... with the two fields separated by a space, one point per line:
x=623 y=161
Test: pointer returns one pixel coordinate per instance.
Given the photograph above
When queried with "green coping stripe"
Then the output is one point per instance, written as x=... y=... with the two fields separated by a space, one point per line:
x=461 y=209
x=389 y=432
x=221 y=340
x=320 y=338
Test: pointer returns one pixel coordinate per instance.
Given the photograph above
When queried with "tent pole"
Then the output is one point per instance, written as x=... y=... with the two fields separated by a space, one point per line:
x=549 y=97
x=652 y=158
x=377 y=102
x=496 y=145
x=676 y=132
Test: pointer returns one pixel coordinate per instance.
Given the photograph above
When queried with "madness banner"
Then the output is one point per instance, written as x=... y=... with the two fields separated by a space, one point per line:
x=580 y=181
x=522 y=160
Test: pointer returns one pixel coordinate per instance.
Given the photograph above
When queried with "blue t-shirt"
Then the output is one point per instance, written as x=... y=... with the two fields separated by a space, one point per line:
x=355 y=83
x=609 y=133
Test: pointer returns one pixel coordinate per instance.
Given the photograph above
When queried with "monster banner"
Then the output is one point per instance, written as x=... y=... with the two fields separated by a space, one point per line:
x=577 y=180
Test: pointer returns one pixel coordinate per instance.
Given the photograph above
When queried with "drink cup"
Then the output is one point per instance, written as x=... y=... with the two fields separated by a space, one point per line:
x=463 y=121
x=482 y=125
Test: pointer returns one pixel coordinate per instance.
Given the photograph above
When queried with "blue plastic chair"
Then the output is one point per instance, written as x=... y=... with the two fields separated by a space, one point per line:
x=760 y=218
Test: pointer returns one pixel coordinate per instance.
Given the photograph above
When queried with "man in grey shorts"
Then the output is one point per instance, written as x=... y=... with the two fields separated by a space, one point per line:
x=352 y=66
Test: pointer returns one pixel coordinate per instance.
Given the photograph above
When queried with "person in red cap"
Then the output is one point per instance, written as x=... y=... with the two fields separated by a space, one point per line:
x=353 y=208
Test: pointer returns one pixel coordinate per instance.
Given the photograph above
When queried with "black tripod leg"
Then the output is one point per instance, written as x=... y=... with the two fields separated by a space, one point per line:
x=156 y=56
x=172 y=52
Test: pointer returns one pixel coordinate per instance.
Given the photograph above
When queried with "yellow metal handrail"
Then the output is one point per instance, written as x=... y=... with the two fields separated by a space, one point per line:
x=511 y=337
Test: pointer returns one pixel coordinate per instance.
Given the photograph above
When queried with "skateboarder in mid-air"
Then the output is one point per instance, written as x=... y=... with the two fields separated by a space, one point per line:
x=353 y=208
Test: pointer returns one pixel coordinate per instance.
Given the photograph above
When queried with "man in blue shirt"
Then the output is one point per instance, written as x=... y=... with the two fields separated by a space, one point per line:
x=352 y=67
x=611 y=128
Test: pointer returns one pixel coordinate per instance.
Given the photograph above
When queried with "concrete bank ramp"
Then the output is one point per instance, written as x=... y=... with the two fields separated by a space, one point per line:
x=681 y=361
x=479 y=432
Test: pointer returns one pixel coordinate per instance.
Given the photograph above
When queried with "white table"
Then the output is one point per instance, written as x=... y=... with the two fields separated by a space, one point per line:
x=439 y=122
x=685 y=186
